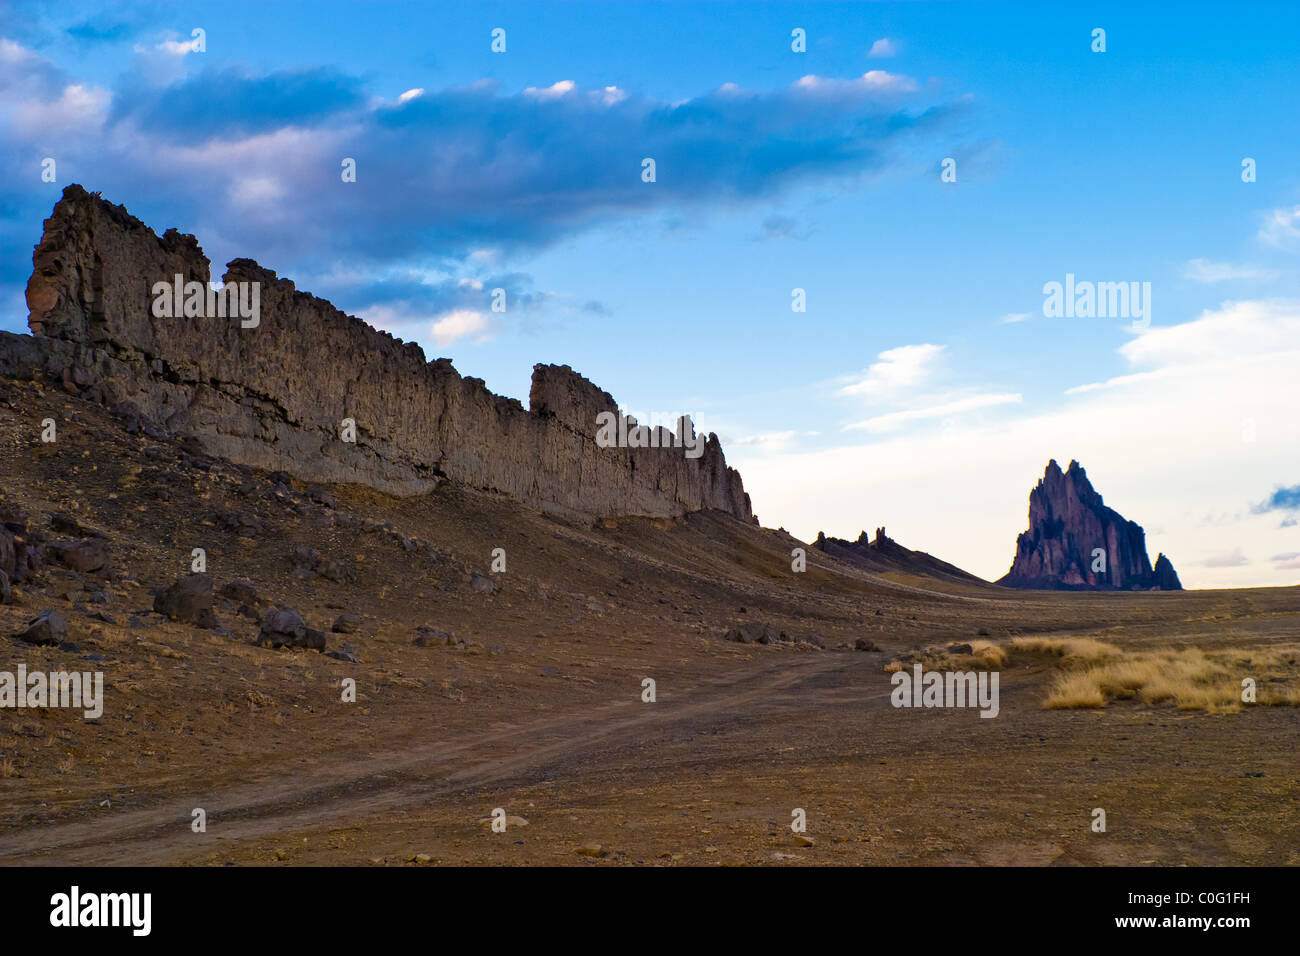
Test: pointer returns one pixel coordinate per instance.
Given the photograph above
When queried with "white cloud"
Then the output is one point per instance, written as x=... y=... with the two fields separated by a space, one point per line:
x=1013 y=317
x=884 y=47
x=876 y=81
x=555 y=90
x=255 y=190
x=900 y=368
x=461 y=324
x=1227 y=559
x=1281 y=228
x=768 y=440
x=1234 y=330
x=79 y=109
x=891 y=421
x=411 y=94
x=175 y=47
x=1203 y=270
x=893 y=82
x=611 y=95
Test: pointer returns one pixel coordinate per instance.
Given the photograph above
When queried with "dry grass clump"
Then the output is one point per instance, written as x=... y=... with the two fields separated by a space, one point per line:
x=1077 y=648
x=989 y=654
x=1191 y=679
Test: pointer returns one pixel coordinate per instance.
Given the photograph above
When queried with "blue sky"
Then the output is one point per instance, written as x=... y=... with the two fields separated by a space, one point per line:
x=923 y=388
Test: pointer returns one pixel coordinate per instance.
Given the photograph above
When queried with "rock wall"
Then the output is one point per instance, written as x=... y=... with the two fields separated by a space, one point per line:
x=1067 y=522
x=274 y=396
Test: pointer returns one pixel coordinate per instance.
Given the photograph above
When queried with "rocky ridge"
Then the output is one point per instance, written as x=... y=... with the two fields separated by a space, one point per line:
x=275 y=396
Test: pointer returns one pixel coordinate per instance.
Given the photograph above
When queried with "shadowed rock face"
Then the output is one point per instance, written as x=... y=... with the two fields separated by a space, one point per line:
x=274 y=395
x=1068 y=523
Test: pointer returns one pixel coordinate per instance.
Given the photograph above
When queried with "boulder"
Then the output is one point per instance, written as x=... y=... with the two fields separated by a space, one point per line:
x=239 y=591
x=757 y=634
x=46 y=629
x=347 y=624
x=189 y=600
x=86 y=556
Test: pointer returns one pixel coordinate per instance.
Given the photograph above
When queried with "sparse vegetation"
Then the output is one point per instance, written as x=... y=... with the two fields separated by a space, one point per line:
x=1070 y=648
x=1192 y=679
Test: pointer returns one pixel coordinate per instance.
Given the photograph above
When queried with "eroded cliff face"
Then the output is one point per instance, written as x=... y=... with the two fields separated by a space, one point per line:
x=275 y=395
x=1068 y=525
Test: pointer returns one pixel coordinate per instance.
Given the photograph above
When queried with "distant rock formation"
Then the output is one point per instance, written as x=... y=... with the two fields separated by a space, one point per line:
x=885 y=554
x=275 y=394
x=1075 y=542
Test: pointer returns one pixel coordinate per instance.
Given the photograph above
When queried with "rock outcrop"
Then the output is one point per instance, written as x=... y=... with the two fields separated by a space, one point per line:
x=275 y=395
x=1075 y=542
x=883 y=554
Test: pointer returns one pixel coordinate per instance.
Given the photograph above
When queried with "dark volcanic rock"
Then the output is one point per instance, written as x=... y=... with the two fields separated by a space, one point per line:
x=239 y=591
x=8 y=552
x=347 y=624
x=757 y=634
x=47 y=628
x=1166 y=576
x=1068 y=525
x=87 y=555
x=188 y=600
x=286 y=628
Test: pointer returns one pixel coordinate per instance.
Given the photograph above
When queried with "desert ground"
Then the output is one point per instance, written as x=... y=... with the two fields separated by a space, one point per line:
x=536 y=706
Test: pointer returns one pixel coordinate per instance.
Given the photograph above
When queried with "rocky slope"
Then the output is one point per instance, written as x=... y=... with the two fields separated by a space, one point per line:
x=275 y=395
x=1075 y=542
x=883 y=553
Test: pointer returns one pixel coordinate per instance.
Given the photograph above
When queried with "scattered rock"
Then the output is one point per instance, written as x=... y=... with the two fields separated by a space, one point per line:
x=347 y=624
x=757 y=634
x=6 y=592
x=86 y=556
x=244 y=525
x=862 y=644
x=321 y=496
x=286 y=628
x=591 y=849
x=46 y=629
x=303 y=557
x=960 y=649
x=188 y=600
x=66 y=524
x=427 y=636
x=481 y=582
x=239 y=591
x=330 y=569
